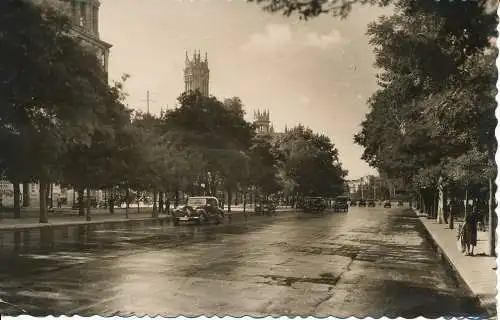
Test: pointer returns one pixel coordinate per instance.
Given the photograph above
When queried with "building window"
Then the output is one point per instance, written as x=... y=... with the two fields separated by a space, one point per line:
x=83 y=20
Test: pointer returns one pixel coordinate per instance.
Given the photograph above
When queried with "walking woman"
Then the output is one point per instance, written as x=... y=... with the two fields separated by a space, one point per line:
x=469 y=232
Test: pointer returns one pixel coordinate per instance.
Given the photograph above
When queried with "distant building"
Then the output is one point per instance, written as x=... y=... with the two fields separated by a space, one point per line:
x=354 y=185
x=196 y=74
x=262 y=122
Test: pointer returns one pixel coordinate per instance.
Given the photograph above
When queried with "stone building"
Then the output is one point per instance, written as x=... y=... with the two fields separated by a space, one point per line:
x=197 y=74
x=262 y=122
x=85 y=16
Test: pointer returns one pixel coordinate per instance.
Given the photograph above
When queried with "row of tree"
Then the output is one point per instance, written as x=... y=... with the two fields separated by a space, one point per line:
x=431 y=124
x=62 y=122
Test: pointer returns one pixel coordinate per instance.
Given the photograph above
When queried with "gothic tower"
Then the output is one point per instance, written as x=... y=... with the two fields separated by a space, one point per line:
x=262 y=122
x=196 y=74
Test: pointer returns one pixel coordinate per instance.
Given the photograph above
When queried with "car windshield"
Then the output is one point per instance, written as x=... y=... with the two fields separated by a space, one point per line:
x=196 y=201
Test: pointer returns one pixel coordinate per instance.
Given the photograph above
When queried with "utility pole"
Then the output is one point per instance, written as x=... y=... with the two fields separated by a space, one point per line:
x=147 y=100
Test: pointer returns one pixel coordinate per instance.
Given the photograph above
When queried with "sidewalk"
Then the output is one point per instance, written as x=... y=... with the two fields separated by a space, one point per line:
x=476 y=271
x=67 y=216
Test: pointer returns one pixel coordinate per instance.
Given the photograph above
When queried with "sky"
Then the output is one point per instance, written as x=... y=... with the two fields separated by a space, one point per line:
x=318 y=73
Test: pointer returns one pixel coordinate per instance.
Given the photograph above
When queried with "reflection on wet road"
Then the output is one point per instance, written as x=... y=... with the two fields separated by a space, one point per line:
x=369 y=262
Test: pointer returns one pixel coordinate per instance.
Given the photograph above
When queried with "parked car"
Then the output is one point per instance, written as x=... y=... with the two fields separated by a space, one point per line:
x=267 y=207
x=353 y=203
x=314 y=204
x=371 y=203
x=199 y=209
x=387 y=204
x=400 y=203
x=341 y=204
x=362 y=203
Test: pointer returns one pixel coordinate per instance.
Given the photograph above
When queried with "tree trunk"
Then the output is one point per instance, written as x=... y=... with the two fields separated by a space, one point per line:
x=229 y=199
x=466 y=202
x=43 y=218
x=26 y=194
x=138 y=201
x=491 y=219
x=87 y=205
x=440 y=205
x=176 y=203
x=111 y=201
x=127 y=201
x=17 y=199
x=51 y=201
x=167 y=204
x=81 y=205
x=160 y=202
x=155 y=196
x=245 y=201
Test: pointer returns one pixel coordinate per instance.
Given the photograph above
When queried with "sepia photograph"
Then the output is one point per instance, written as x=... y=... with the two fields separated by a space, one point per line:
x=324 y=158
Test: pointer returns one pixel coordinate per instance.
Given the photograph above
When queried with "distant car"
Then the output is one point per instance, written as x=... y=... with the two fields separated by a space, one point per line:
x=400 y=203
x=341 y=204
x=371 y=203
x=362 y=203
x=199 y=209
x=353 y=203
x=314 y=204
x=265 y=207
x=387 y=204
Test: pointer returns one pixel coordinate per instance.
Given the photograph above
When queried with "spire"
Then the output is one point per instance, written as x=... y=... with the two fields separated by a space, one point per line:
x=187 y=58
x=206 y=57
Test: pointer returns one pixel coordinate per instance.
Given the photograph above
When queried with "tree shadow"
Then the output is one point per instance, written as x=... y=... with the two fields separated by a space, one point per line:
x=414 y=301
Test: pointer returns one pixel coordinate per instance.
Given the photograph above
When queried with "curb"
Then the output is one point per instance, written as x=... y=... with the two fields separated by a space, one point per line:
x=451 y=268
x=36 y=225
x=75 y=223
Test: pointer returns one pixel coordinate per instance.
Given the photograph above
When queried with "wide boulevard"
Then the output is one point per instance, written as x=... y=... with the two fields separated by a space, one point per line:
x=368 y=262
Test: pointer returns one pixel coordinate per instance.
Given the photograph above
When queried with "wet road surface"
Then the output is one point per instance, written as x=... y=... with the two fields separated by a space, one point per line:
x=368 y=262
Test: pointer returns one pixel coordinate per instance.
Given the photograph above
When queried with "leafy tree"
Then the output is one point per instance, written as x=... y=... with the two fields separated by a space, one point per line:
x=221 y=135
x=311 y=161
x=264 y=164
x=46 y=91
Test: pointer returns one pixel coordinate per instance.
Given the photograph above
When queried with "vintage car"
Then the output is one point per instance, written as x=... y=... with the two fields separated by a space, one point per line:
x=265 y=207
x=199 y=209
x=314 y=204
x=341 y=204
x=371 y=203
x=353 y=203
x=362 y=203
x=387 y=204
x=400 y=203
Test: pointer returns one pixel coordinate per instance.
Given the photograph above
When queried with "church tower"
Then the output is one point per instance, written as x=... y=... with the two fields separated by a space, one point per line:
x=196 y=74
x=85 y=17
x=262 y=122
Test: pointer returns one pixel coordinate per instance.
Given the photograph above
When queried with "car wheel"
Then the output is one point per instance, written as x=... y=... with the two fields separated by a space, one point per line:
x=203 y=217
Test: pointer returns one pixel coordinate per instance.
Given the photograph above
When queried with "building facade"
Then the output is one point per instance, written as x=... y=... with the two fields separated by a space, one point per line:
x=85 y=17
x=197 y=74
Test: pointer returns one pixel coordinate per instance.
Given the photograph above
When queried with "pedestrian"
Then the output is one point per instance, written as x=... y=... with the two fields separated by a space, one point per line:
x=469 y=231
